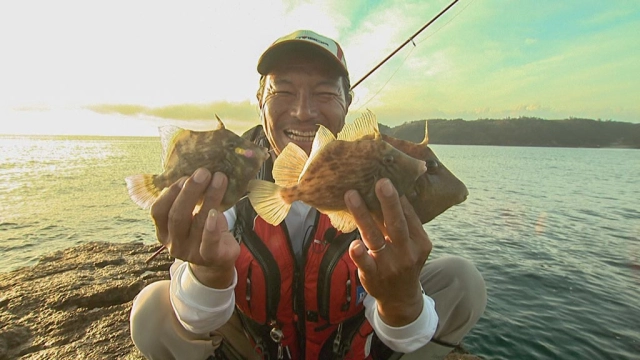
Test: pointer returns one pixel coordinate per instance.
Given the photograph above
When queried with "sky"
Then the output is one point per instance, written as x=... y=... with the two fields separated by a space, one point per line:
x=125 y=67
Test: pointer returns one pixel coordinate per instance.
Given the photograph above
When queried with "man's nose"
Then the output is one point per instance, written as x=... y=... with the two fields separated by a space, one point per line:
x=304 y=108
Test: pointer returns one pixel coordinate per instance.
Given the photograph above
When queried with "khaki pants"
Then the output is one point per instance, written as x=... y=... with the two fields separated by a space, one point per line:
x=452 y=282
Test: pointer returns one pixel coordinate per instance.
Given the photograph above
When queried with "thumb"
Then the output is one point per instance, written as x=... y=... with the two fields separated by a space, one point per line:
x=360 y=256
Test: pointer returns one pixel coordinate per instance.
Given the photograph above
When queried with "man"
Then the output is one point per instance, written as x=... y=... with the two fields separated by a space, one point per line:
x=241 y=287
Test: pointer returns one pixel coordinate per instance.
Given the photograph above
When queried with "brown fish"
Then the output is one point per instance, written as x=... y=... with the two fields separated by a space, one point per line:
x=184 y=151
x=436 y=190
x=333 y=167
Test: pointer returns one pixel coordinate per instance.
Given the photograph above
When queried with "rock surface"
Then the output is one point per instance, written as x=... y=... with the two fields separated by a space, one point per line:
x=75 y=303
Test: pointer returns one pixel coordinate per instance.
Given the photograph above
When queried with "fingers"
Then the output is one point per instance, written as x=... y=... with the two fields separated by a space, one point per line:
x=215 y=226
x=414 y=225
x=212 y=197
x=359 y=255
x=371 y=234
x=162 y=206
x=400 y=220
x=392 y=211
x=412 y=219
x=219 y=250
x=181 y=212
x=203 y=238
x=390 y=268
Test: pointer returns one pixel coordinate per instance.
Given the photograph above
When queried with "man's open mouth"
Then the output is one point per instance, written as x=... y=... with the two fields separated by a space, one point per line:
x=300 y=136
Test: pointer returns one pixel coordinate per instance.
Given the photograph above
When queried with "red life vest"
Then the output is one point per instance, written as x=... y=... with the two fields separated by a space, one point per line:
x=312 y=310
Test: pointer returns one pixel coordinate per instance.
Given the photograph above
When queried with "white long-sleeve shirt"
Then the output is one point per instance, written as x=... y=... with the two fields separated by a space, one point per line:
x=201 y=309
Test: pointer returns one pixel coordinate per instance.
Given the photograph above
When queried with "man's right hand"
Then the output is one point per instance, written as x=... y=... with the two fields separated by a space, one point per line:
x=201 y=237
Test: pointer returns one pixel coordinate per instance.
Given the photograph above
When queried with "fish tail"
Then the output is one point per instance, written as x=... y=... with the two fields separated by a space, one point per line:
x=266 y=198
x=142 y=189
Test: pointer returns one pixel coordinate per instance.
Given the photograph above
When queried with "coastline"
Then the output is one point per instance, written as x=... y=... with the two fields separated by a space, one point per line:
x=75 y=303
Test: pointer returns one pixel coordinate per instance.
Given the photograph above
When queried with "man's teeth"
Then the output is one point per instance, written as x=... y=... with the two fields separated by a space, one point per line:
x=301 y=135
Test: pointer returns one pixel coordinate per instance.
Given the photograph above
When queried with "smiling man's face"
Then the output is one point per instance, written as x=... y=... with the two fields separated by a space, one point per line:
x=301 y=93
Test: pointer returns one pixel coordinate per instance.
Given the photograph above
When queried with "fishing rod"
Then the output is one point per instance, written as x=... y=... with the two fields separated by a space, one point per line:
x=403 y=44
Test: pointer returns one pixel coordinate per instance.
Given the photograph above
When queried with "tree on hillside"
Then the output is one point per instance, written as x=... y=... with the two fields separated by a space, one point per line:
x=523 y=131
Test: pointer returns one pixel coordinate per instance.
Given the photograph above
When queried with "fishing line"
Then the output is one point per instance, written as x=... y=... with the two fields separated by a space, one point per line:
x=388 y=80
x=404 y=43
x=411 y=51
x=447 y=23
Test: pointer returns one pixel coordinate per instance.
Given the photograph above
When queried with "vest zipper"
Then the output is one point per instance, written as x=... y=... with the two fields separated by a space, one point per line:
x=345 y=306
x=248 y=291
x=277 y=336
x=298 y=281
x=338 y=339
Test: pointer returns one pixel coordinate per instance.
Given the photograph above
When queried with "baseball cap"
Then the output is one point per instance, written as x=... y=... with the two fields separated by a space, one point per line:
x=299 y=38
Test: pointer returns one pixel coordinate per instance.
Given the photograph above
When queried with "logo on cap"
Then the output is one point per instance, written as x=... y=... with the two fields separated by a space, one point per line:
x=305 y=37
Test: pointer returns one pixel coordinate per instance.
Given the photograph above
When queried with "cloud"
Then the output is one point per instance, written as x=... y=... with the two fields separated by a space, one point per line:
x=237 y=116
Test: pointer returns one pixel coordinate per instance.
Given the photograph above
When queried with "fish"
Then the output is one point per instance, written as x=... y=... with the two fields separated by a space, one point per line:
x=435 y=191
x=438 y=189
x=184 y=151
x=334 y=166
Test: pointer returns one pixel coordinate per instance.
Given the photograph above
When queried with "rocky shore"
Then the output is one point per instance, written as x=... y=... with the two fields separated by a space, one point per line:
x=75 y=304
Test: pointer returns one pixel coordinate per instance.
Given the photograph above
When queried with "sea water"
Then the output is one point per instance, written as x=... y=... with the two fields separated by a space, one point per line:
x=554 y=231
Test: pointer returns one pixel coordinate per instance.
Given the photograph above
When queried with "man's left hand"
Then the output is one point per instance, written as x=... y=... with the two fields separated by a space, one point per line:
x=390 y=255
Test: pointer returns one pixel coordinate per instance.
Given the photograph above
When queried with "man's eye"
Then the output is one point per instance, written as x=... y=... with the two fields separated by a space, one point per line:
x=326 y=94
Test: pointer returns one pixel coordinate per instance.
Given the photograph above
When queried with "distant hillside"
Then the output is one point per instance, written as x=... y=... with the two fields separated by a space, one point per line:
x=523 y=132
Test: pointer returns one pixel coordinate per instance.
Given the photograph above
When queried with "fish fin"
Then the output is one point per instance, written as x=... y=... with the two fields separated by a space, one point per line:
x=142 y=190
x=343 y=221
x=220 y=123
x=425 y=141
x=323 y=137
x=289 y=165
x=267 y=201
x=168 y=136
x=366 y=124
x=346 y=133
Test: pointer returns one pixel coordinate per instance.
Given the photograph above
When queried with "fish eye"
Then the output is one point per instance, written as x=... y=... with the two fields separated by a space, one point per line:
x=231 y=145
x=387 y=159
x=432 y=166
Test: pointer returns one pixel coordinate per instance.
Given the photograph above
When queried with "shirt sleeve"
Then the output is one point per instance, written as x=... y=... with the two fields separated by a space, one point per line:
x=408 y=338
x=201 y=309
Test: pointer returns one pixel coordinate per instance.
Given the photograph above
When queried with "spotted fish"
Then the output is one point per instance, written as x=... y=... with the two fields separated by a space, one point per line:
x=334 y=166
x=184 y=151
